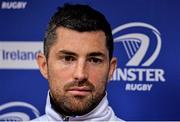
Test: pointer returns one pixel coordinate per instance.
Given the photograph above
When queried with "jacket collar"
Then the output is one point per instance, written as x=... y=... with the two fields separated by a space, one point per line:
x=102 y=112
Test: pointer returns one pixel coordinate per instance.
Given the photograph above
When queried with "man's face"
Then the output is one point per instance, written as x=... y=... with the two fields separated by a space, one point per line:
x=78 y=68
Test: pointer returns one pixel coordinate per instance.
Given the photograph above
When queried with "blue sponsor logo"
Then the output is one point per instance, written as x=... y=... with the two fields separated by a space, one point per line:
x=18 y=111
x=139 y=45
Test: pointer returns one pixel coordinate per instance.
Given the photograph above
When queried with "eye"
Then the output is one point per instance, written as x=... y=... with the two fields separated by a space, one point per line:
x=67 y=58
x=95 y=60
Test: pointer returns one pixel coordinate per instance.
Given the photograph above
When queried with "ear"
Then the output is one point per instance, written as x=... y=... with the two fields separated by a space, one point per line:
x=42 y=63
x=113 y=64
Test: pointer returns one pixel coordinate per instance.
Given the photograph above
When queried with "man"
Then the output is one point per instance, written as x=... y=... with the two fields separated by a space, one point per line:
x=78 y=63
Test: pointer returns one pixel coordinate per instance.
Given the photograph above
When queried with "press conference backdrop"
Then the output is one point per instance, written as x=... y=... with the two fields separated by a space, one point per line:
x=146 y=83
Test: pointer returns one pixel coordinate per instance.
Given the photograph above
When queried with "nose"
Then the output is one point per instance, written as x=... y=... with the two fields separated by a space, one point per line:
x=80 y=71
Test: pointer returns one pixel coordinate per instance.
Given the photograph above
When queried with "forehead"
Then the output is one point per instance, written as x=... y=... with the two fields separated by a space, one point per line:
x=80 y=41
x=69 y=34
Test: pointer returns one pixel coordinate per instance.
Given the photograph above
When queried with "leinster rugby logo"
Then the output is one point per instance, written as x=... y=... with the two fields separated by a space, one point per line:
x=18 y=111
x=141 y=44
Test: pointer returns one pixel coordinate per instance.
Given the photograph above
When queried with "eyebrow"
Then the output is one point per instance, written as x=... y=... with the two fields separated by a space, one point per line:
x=67 y=52
x=96 y=54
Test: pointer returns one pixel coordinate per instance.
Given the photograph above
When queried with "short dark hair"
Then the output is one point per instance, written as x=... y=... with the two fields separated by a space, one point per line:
x=81 y=18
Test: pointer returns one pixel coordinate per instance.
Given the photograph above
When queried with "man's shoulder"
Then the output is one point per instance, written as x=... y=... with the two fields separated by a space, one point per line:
x=119 y=120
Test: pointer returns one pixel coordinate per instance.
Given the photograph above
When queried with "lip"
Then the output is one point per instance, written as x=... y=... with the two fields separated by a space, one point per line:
x=80 y=91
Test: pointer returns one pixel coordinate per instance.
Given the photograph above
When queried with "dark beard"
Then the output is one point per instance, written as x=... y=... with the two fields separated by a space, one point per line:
x=66 y=108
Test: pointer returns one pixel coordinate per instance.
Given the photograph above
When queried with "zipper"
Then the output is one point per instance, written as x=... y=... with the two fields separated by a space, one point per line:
x=66 y=118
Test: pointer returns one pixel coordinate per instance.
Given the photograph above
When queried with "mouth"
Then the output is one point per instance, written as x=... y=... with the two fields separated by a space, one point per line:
x=79 y=91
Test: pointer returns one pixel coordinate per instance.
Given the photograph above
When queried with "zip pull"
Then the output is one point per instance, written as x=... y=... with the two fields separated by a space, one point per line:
x=66 y=118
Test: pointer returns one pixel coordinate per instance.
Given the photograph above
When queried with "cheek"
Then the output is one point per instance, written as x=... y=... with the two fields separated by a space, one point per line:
x=99 y=78
x=58 y=77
